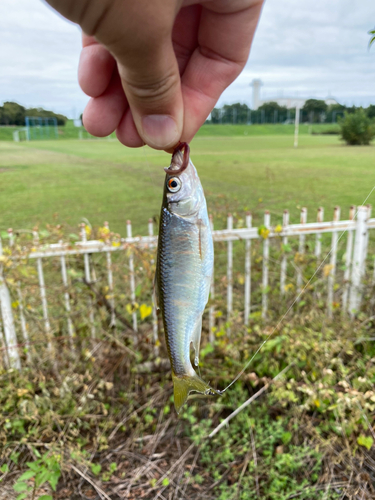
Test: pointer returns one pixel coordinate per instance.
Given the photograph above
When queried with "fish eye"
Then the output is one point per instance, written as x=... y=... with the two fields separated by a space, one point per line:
x=173 y=184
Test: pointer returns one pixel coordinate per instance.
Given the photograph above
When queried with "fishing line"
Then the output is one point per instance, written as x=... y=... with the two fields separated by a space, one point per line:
x=293 y=303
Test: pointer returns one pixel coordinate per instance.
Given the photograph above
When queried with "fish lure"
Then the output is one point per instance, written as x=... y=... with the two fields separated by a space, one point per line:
x=183 y=272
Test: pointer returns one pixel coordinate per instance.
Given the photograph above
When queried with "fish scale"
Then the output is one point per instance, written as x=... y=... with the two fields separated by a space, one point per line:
x=179 y=271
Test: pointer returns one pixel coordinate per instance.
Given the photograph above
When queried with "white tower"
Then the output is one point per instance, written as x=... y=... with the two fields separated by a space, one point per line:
x=256 y=84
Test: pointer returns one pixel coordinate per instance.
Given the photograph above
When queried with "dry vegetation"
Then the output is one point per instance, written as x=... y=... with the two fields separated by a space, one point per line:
x=94 y=418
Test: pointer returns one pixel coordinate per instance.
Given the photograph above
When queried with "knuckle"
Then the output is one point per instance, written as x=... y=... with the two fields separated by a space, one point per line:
x=154 y=89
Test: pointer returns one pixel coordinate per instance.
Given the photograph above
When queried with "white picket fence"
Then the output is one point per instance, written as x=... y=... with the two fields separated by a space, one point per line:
x=355 y=229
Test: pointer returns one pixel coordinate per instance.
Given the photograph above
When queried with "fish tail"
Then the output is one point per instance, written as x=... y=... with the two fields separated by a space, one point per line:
x=183 y=385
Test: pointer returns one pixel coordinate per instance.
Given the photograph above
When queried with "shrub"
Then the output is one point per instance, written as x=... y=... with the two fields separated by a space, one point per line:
x=356 y=128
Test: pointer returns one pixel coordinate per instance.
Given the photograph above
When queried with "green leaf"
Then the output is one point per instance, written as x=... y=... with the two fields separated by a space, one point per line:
x=4 y=468
x=42 y=477
x=33 y=465
x=54 y=478
x=18 y=487
x=45 y=497
x=165 y=482
x=96 y=468
x=27 y=475
x=14 y=457
x=365 y=441
x=22 y=496
x=286 y=437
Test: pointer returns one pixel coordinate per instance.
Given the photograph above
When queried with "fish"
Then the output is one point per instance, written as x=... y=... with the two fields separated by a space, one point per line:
x=184 y=269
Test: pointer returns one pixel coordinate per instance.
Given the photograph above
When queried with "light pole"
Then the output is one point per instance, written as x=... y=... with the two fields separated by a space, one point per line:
x=296 y=127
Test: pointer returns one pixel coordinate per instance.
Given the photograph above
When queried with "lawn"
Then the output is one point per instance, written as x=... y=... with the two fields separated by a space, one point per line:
x=63 y=181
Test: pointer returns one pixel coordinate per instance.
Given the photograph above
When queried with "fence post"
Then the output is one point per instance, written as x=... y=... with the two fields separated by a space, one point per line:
x=301 y=249
x=248 y=271
x=211 y=311
x=296 y=127
x=23 y=323
x=284 y=260
x=154 y=310
x=66 y=297
x=8 y=320
x=348 y=260
x=332 y=272
x=358 y=264
x=132 y=280
x=318 y=242
x=3 y=348
x=230 y=272
x=43 y=297
x=368 y=217
x=110 y=281
x=266 y=251
x=88 y=281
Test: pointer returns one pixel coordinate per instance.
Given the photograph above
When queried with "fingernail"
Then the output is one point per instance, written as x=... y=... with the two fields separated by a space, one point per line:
x=160 y=131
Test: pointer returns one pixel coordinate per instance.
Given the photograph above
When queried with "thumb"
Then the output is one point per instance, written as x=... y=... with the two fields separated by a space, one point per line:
x=138 y=33
x=151 y=81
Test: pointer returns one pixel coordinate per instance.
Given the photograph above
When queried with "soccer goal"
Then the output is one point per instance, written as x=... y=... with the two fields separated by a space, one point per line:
x=38 y=127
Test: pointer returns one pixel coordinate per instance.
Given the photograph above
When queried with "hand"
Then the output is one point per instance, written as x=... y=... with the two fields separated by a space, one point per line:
x=154 y=69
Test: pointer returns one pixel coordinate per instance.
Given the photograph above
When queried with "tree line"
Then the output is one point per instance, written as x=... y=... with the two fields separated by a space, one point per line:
x=313 y=111
x=12 y=113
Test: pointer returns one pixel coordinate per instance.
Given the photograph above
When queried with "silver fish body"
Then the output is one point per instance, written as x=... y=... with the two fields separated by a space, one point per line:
x=183 y=273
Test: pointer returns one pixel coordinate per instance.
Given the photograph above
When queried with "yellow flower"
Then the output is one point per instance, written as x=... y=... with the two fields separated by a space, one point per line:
x=130 y=308
x=264 y=233
x=145 y=311
x=278 y=228
x=88 y=230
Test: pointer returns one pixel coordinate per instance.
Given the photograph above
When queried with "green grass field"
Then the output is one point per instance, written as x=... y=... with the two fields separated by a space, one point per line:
x=63 y=181
x=69 y=131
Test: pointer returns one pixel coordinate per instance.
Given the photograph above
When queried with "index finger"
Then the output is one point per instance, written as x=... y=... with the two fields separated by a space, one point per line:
x=224 y=41
x=96 y=66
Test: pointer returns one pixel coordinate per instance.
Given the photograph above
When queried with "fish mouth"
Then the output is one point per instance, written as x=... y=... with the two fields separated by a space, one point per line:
x=180 y=159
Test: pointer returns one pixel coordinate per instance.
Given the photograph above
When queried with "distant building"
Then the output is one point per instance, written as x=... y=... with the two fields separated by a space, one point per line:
x=289 y=102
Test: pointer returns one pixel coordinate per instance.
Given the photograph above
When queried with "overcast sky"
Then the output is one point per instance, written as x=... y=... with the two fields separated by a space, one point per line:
x=306 y=48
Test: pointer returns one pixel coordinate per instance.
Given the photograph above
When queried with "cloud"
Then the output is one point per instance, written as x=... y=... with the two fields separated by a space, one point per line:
x=39 y=53
x=310 y=48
